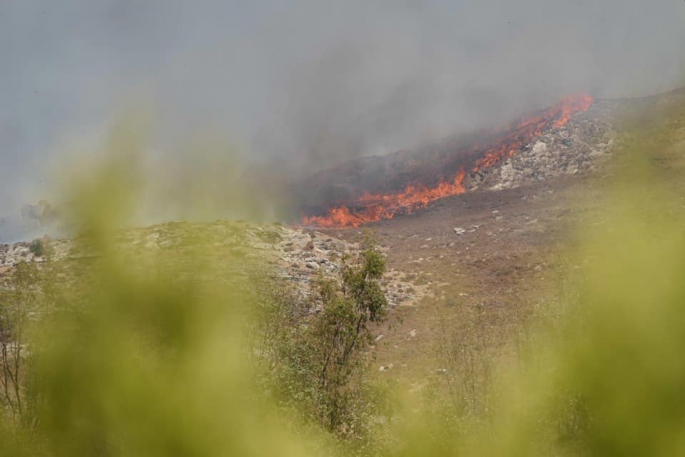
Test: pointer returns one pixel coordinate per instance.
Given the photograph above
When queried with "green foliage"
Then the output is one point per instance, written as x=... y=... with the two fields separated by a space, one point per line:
x=146 y=358
x=25 y=298
x=37 y=247
x=318 y=360
x=342 y=336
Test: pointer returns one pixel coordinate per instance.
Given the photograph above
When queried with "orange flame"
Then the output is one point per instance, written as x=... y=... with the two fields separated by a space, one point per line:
x=376 y=207
x=530 y=128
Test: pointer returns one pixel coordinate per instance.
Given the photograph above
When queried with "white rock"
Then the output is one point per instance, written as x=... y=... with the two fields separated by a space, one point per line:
x=539 y=148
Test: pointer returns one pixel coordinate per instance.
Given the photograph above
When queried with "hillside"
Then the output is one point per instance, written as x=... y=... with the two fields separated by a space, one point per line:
x=479 y=264
x=496 y=255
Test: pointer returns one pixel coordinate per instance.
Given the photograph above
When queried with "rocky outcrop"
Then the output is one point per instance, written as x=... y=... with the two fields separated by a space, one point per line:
x=11 y=254
x=578 y=148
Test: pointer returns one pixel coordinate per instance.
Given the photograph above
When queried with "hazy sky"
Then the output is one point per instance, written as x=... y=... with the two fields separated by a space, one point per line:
x=312 y=82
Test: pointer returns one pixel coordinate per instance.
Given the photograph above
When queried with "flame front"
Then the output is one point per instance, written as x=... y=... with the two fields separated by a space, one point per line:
x=376 y=207
x=530 y=128
x=386 y=206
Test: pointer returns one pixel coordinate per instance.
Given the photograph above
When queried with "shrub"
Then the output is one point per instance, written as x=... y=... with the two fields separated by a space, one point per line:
x=317 y=362
x=38 y=247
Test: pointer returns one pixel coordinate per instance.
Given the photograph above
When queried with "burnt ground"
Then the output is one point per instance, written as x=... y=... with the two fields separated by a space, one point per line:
x=486 y=259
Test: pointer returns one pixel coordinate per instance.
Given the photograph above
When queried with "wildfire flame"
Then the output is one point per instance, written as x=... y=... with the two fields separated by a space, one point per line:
x=376 y=207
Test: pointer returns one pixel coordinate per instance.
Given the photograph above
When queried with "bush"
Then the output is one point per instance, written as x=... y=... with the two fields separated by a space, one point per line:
x=38 y=247
x=317 y=362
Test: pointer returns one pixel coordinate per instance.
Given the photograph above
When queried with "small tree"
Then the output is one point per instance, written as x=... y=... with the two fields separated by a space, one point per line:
x=37 y=247
x=19 y=303
x=342 y=334
x=316 y=362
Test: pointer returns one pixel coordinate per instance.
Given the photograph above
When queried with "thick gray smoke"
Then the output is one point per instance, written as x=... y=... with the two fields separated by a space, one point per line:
x=305 y=84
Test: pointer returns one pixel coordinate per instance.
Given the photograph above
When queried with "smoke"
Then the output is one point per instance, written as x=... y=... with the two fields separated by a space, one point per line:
x=302 y=85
